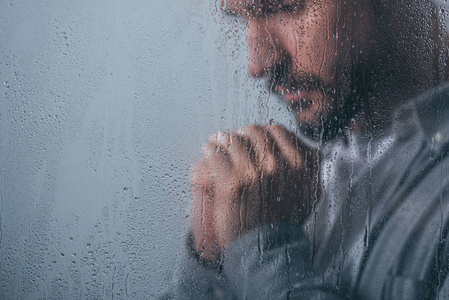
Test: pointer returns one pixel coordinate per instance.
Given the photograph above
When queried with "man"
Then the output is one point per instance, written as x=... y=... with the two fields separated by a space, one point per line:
x=364 y=215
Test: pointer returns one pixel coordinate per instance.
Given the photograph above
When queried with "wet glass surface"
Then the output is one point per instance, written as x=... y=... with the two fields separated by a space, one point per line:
x=223 y=149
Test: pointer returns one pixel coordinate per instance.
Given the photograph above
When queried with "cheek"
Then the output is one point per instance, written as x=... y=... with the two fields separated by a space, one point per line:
x=318 y=53
x=311 y=44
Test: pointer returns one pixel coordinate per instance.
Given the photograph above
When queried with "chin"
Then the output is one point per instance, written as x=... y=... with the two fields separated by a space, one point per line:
x=326 y=123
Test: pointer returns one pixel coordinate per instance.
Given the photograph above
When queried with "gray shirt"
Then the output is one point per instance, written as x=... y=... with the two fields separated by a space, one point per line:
x=379 y=232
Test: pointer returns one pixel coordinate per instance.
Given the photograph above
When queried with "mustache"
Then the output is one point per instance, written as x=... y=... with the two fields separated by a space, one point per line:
x=281 y=75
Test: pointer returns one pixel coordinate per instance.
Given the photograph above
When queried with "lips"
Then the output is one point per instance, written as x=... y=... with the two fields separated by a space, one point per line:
x=291 y=95
x=287 y=94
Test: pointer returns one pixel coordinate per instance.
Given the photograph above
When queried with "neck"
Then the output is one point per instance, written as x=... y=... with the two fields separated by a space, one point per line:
x=410 y=58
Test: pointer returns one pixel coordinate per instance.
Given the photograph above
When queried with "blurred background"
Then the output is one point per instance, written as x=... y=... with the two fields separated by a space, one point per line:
x=104 y=106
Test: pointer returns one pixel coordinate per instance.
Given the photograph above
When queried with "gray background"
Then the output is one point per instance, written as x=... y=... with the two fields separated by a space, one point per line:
x=104 y=106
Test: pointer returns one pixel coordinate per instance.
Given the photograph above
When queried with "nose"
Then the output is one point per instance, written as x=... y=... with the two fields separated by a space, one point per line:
x=264 y=50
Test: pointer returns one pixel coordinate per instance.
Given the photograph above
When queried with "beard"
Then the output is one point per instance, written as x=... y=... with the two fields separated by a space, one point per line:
x=341 y=102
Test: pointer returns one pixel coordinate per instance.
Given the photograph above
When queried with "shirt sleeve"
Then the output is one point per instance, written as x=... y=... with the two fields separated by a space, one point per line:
x=197 y=279
x=269 y=262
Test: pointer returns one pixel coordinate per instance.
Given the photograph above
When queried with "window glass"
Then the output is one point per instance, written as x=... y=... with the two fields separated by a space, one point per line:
x=224 y=149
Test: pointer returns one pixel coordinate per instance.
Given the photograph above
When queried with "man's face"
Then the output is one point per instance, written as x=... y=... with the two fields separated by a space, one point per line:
x=308 y=50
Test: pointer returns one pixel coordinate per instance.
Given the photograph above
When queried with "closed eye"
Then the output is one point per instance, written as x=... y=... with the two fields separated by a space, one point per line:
x=261 y=8
x=289 y=6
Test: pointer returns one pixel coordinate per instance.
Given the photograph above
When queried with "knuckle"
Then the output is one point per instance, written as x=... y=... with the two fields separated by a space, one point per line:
x=234 y=138
x=223 y=139
x=218 y=138
x=251 y=130
x=275 y=127
x=207 y=149
x=278 y=132
x=211 y=150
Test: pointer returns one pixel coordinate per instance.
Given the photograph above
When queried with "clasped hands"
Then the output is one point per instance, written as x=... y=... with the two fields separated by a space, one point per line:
x=256 y=176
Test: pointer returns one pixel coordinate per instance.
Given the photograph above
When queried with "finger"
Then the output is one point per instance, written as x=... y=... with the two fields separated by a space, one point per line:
x=243 y=157
x=232 y=158
x=288 y=145
x=215 y=151
x=203 y=207
x=202 y=200
x=263 y=147
x=200 y=174
x=236 y=212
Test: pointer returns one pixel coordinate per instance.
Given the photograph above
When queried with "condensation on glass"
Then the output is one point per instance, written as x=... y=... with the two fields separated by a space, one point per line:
x=235 y=149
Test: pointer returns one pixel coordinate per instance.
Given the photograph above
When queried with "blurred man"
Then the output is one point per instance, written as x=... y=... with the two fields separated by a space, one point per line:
x=365 y=213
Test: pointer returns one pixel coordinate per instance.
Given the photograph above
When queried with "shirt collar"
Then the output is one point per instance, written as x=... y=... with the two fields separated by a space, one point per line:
x=432 y=111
